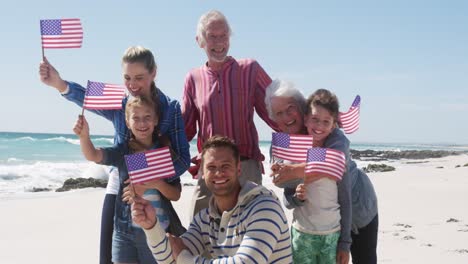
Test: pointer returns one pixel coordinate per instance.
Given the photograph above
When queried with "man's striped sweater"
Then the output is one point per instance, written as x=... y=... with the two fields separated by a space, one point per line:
x=254 y=231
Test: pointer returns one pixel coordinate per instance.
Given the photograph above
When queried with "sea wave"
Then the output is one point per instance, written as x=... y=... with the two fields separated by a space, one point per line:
x=59 y=139
x=64 y=139
x=19 y=139
x=24 y=177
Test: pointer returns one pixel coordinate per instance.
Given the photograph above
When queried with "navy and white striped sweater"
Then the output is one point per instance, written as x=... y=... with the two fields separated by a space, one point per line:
x=254 y=231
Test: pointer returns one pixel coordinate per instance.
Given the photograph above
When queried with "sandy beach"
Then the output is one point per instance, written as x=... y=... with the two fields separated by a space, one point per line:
x=422 y=213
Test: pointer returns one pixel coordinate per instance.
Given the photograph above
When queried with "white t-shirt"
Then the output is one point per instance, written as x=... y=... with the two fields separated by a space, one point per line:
x=320 y=213
x=113 y=181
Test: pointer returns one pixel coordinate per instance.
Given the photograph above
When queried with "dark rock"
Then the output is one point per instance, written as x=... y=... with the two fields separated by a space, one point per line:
x=80 y=183
x=38 y=189
x=462 y=251
x=453 y=220
x=378 y=155
x=466 y=165
x=409 y=238
x=427 y=245
x=458 y=166
x=378 y=168
x=440 y=167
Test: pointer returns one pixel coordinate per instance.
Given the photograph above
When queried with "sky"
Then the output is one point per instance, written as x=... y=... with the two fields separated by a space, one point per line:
x=408 y=60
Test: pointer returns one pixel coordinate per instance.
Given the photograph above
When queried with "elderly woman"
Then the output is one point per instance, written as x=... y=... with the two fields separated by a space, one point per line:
x=286 y=105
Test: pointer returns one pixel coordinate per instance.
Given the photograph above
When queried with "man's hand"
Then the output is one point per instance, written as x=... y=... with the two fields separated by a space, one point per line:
x=81 y=127
x=50 y=76
x=143 y=213
x=342 y=257
x=177 y=245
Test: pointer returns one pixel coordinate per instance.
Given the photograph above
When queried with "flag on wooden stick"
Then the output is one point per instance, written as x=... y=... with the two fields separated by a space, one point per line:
x=150 y=165
x=326 y=161
x=61 y=33
x=291 y=147
x=349 y=121
x=103 y=96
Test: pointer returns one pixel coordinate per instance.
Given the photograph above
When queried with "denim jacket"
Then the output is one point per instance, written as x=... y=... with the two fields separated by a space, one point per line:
x=170 y=123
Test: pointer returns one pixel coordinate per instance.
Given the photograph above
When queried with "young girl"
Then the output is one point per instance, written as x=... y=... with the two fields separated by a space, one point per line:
x=141 y=117
x=316 y=224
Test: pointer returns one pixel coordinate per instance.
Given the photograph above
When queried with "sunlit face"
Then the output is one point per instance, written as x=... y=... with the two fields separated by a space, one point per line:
x=221 y=171
x=287 y=115
x=216 y=44
x=141 y=121
x=320 y=123
x=138 y=79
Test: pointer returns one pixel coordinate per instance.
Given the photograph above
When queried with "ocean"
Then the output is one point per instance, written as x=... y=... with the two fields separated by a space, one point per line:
x=35 y=160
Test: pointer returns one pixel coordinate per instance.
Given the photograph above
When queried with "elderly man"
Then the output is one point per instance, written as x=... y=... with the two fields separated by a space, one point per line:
x=286 y=105
x=220 y=97
x=243 y=223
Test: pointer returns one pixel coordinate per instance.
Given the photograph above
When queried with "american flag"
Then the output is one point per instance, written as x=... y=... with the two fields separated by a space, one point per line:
x=326 y=161
x=61 y=33
x=150 y=165
x=291 y=147
x=103 y=96
x=350 y=120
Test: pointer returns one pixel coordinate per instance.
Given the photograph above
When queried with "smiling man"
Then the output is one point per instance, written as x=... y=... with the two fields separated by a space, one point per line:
x=220 y=98
x=243 y=223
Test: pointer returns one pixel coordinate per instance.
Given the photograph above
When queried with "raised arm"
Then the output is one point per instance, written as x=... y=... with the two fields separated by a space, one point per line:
x=81 y=129
x=50 y=76
x=75 y=93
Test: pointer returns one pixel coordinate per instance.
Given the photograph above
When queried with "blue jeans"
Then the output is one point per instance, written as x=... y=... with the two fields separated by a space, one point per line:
x=364 y=246
x=131 y=248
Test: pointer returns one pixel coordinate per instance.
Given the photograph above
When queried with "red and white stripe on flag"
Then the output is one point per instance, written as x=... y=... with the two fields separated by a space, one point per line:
x=350 y=120
x=291 y=147
x=150 y=165
x=103 y=96
x=326 y=161
x=61 y=33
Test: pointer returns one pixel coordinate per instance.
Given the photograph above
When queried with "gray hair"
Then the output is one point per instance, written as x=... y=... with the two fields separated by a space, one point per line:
x=205 y=19
x=280 y=88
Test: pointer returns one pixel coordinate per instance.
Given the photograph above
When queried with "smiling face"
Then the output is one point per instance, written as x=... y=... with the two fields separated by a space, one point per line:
x=215 y=42
x=287 y=115
x=320 y=123
x=138 y=79
x=220 y=171
x=141 y=120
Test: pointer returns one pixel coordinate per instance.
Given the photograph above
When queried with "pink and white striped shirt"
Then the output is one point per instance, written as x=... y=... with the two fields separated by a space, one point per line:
x=222 y=103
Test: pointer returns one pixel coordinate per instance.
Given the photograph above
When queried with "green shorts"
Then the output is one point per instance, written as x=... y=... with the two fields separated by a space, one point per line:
x=312 y=249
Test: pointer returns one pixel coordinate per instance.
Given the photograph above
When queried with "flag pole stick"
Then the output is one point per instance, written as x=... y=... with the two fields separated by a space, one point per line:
x=134 y=191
